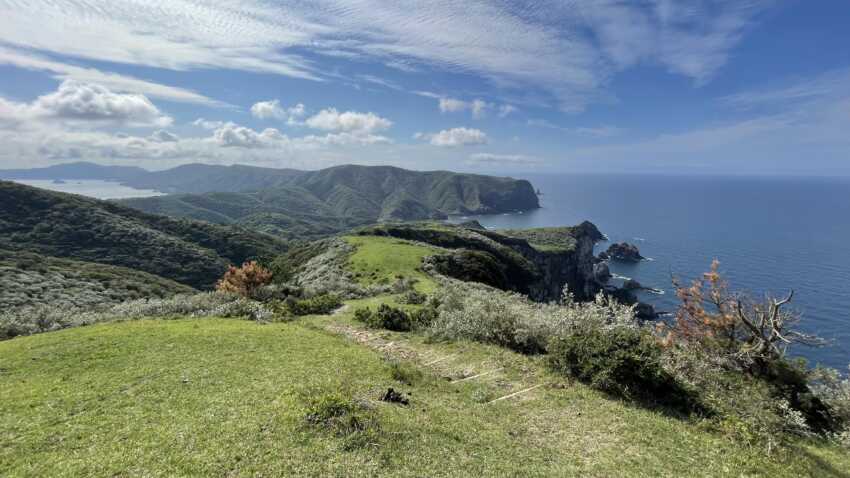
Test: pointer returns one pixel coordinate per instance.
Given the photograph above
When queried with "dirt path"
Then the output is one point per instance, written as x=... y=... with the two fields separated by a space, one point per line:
x=451 y=366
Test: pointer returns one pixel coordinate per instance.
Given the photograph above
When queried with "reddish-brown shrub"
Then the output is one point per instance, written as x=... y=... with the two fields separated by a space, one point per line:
x=244 y=280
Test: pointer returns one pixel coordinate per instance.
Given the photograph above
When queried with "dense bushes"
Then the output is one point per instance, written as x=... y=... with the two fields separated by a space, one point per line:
x=622 y=361
x=318 y=305
x=476 y=312
x=28 y=279
x=33 y=320
x=385 y=317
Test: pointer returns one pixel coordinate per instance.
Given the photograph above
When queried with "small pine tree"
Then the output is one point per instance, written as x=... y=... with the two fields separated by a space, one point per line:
x=244 y=280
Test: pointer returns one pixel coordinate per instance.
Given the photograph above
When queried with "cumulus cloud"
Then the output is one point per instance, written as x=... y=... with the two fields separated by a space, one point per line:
x=503 y=159
x=77 y=103
x=477 y=107
x=455 y=137
x=233 y=135
x=350 y=122
x=273 y=110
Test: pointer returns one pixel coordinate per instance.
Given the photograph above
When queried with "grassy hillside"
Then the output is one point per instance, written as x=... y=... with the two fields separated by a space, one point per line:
x=74 y=227
x=28 y=279
x=209 y=397
x=214 y=397
x=311 y=204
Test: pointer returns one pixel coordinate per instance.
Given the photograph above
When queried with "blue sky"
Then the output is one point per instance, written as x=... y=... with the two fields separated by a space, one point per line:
x=657 y=86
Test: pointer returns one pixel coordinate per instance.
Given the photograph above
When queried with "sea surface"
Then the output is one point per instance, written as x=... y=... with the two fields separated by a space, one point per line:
x=90 y=187
x=770 y=235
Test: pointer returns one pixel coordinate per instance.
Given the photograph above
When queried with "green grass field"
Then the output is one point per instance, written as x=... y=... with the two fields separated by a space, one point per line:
x=381 y=259
x=209 y=397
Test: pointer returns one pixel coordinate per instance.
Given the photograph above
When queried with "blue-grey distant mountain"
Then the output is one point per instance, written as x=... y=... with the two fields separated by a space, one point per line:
x=80 y=170
x=189 y=178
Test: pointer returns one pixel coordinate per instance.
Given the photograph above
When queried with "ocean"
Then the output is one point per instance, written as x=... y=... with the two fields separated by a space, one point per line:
x=90 y=187
x=770 y=235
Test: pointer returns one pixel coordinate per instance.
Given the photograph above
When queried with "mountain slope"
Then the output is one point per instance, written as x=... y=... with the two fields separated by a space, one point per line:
x=334 y=199
x=189 y=178
x=79 y=170
x=28 y=279
x=202 y=178
x=75 y=227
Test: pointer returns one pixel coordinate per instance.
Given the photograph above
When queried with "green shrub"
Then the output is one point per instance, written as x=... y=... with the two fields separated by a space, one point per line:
x=424 y=317
x=624 y=362
x=413 y=297
x=405 y=373
x=386 y=317
x=318 y=305
x=344 y=417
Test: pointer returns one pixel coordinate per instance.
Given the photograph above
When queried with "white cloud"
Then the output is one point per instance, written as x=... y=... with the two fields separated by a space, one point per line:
x=569 y=50
x=452 y=105
x=503 y=159
x=273 y=110
x=208 y=124
x=79 y=103
x=268 y=109
x=830 y=85
x=233 y=135
x=455 y=137
x=506 y=110
x=113 y=81
x=162 y=136
x=587 y=131
x=350 y=122
x=479 y=108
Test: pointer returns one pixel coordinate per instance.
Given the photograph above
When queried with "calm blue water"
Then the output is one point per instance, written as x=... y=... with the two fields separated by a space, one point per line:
x=770 y=235
x=91 y=187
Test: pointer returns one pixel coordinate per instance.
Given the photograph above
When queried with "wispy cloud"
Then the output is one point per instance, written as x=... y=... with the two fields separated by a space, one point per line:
x=113 y=81
x=503 y=159
x=588 y=131
x=568 y=50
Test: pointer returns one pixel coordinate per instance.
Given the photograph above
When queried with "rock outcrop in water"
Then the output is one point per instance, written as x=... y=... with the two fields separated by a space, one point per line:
x=623 y=252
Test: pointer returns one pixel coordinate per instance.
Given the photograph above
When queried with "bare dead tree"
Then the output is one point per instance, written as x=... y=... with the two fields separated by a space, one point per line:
x=770 y=328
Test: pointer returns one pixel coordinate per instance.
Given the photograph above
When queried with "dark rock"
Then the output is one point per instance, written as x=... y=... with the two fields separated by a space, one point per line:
x=623 y=296
x=644 y=311
x=601 y=272
x=603 y=256
x=472 y=224
x=393 y=396
x=625 y=252
x=632 y=284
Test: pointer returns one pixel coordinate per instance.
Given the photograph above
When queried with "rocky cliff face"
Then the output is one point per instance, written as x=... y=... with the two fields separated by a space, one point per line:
x=573 y=267
x=539 y=268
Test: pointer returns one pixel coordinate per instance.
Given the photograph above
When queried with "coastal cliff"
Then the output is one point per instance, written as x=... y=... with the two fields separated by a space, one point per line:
x=535 y=262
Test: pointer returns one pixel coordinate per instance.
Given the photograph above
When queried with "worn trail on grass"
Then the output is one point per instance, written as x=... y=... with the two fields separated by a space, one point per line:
x=449 y=365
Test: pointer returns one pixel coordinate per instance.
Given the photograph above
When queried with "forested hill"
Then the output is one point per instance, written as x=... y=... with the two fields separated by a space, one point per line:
x=84 y=229
x=334 y=199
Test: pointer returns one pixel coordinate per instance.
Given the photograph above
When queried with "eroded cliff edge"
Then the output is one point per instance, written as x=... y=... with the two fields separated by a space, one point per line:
x=535 y=262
